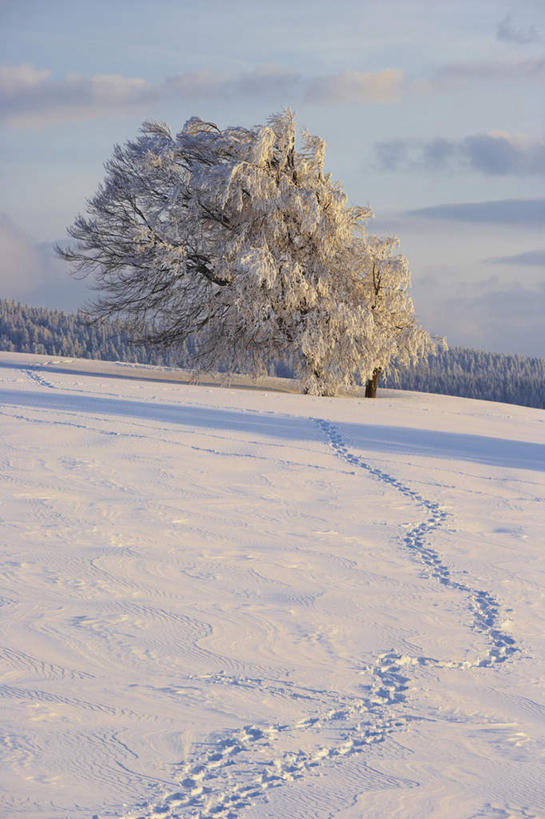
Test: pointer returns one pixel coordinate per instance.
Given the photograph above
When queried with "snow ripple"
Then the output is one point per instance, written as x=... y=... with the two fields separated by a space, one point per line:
x=233 y=772
x=484 y=607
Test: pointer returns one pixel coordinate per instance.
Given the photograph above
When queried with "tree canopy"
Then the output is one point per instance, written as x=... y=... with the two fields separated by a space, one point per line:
x=239 y=241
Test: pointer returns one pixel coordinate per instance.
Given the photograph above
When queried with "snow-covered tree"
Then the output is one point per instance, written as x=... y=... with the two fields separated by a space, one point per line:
x=240 y=242
x=400 y=339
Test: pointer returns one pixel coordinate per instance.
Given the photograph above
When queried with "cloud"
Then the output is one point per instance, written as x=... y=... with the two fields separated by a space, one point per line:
x=471 y=72
x=521 y=212
x=32 y=97
x=356 y=87
x=17 y=79
x=496 y=154
x=532 y=258
x=502 y=154
x=271 y=79
x=197 y=84
x=437 y=152
x=510 y=33
x=31 y=272
x=29 y=97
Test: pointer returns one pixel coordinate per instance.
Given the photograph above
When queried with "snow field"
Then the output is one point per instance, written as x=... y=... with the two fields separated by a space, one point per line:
x=227 y=602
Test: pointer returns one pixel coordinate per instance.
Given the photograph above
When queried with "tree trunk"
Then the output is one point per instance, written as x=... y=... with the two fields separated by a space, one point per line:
x=372 y=384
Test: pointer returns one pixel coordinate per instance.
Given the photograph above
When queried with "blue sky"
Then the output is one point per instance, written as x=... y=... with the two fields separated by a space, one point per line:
x=433 y=114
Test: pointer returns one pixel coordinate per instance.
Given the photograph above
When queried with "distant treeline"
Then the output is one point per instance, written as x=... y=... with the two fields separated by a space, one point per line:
x=26 y=329
x=513 y=379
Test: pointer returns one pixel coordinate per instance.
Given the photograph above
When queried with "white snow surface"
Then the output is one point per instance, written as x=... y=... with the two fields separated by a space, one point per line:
x=223 y=602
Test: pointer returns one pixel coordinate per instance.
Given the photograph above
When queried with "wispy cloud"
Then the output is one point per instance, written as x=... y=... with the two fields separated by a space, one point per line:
x=497 y=154
x=332 y=89
x=29 y=96
x=355 y=87
x=532 y=258
x=511 y=33
x=476 y=72
x=266 y=80
x=17 y=79
x=521 y=212
x=271 y=79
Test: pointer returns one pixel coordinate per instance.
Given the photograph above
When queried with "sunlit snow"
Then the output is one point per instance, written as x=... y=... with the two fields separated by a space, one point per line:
x=223 y=602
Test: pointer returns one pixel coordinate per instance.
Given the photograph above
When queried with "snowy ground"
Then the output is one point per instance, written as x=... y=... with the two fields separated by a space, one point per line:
x=230 y=602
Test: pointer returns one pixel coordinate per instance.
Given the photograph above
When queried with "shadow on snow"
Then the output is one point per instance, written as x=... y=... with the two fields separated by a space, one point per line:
x=480 y=449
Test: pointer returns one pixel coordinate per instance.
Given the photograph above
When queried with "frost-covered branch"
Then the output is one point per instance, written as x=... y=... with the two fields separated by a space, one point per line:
x=240 y=241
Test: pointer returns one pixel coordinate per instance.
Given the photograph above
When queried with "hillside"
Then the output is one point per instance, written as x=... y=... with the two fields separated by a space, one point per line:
x=467 y=373
x=247 y=602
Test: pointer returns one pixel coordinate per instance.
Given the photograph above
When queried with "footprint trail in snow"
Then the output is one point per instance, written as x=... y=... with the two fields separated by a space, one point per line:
x=233 y=772
x=484 y=607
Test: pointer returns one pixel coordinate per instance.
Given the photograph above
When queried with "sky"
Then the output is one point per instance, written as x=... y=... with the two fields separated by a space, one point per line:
x=433 y=114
